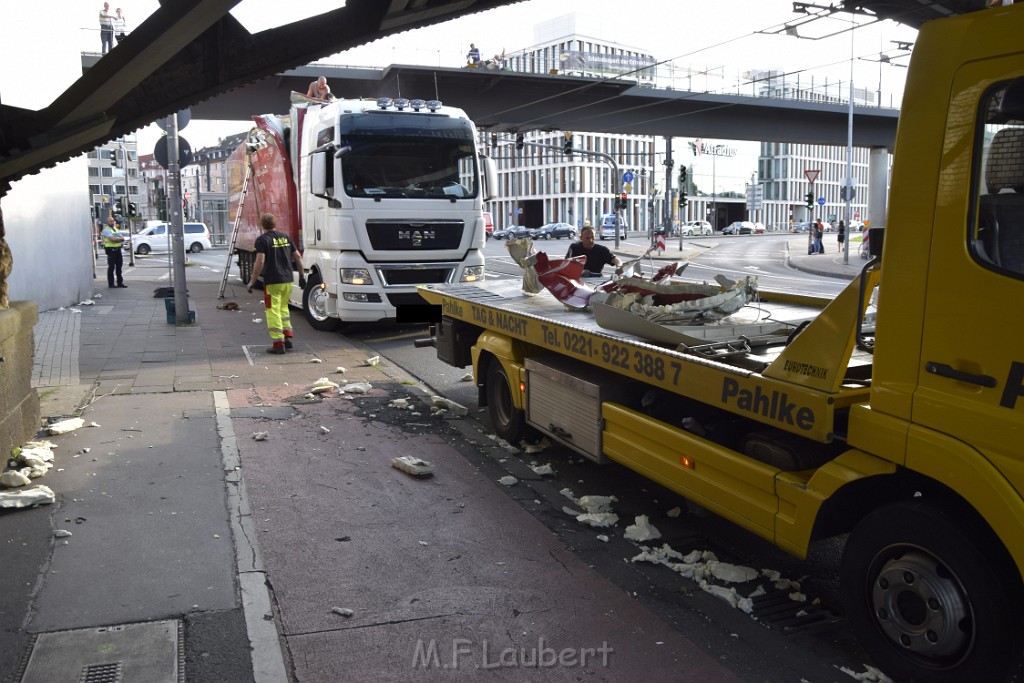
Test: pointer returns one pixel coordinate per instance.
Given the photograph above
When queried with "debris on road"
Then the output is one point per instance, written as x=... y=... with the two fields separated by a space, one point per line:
x=439 y=403
x=410 y=464
x=260 y=436
x=325 y=430
x=373 y=361
x=641 y=530
x=343 y=611
x=65 y=426
x=508 y=480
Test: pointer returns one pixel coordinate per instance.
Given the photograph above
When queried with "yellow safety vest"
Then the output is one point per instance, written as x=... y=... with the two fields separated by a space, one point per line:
x=107 y=233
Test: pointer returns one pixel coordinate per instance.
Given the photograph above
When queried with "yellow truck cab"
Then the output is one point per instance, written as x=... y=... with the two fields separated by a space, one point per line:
x=898 y=428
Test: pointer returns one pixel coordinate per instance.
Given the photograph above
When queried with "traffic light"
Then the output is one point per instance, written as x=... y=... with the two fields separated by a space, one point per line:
x=567 y=146
x=494 y=139
x=683 y=201
x=682 y=178
x=622 y=201
x=114 y=159
x=520 y=139
x=133 y=209
x=809 y=200
x=122 y=206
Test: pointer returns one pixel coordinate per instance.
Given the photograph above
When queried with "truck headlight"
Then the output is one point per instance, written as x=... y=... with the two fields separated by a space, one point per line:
x=473 y=273
x=355 y=276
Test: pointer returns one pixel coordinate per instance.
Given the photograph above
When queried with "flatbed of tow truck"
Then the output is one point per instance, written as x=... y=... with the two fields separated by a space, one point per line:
x=757 y=376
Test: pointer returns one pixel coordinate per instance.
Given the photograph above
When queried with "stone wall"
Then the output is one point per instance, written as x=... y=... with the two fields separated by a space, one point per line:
x=19 y=402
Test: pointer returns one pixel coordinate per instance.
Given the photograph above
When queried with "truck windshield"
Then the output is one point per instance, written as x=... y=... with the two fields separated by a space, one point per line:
x=408 y=155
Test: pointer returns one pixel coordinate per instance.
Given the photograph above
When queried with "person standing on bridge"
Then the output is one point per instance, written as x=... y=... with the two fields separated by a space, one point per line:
x=120 y=26
x=597 y=255
x=473 y=56
x=106 y=28
x=275 y=253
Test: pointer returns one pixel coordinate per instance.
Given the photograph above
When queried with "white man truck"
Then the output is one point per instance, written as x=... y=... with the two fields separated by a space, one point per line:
x=380 y=195
x=898 y=424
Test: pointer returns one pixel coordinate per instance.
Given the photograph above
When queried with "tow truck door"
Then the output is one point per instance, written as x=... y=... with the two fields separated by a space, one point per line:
x=971 y=379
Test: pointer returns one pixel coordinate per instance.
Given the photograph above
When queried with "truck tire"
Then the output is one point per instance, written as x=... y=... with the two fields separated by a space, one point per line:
x=314 y=305
x=507 y=421
x=929 y=598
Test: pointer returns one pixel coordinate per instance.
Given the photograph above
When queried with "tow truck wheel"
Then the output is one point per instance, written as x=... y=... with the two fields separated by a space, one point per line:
x=507 y=421
x=928 y=598
x=314 y=305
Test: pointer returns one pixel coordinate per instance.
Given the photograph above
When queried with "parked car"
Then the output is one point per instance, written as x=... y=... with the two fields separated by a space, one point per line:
x=554 y=231
x=515 y=232
x=759 y=228
x=801 y=227
x=738 y=228
x=157 y=237
x=691 y=228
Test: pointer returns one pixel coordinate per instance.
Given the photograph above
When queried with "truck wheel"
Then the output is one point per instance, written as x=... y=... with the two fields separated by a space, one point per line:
x=928 y=598
x=314 y=304
x=507 y=421
x=143 y=249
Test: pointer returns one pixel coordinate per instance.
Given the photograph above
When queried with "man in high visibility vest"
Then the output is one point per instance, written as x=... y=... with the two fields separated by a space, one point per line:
x=112 y=242
x=275 y=254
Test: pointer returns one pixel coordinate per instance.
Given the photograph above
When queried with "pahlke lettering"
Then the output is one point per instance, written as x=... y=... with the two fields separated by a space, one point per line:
x=774 y=406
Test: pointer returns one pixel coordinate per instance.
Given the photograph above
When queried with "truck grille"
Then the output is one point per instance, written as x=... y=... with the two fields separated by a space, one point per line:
x=414 y=235
x=414 y=276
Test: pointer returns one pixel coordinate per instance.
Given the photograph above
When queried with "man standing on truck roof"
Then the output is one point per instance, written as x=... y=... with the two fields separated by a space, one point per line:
x=597 y=255
x=275 y=253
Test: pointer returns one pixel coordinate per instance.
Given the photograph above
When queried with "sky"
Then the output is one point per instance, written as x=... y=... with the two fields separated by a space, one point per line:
x=723 y=37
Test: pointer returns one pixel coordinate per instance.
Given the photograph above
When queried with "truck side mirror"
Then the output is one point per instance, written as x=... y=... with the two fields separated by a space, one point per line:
x=1012 y=105
x=489 y=176
x=321 y=173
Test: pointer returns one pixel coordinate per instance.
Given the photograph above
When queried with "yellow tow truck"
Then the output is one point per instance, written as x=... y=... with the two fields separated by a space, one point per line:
x=893 y=413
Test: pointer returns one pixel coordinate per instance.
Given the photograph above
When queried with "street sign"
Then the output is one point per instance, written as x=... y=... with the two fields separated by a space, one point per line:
x=627 y=188
x=184 y=152
x=821 y=201
x=812 y=175
x=183 y=116
x=627 y=177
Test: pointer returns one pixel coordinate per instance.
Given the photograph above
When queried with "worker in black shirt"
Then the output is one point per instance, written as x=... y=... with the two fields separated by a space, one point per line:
x=597 y=255
x=275 y=253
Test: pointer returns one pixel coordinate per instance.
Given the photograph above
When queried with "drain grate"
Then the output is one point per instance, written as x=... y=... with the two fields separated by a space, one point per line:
x=101 y=673
x=776 y=610
x=148 y=652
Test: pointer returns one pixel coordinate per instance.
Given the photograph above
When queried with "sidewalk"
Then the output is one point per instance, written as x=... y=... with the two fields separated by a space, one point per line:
x=234 y=552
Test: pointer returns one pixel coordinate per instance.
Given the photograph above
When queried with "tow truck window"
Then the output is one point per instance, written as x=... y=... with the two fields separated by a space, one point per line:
x=998 y=238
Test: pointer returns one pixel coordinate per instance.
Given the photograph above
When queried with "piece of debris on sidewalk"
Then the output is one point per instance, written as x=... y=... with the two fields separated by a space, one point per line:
x=324 y=386
x=228 y=306
x=27 y=498
x=410 y=464
x=343 y=611
x=314 y=360
x=508 y=480
x=260 y=436
x=65 y=426
x=542 y=470
x=325 y=430
x=400 y=404
x=357 y=388
x=541 y=445
x=340 y=370
x=468 y=377
x=373 y=361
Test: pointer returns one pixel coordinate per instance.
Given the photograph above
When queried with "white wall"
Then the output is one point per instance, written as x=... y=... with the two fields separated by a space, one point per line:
x=47 y=220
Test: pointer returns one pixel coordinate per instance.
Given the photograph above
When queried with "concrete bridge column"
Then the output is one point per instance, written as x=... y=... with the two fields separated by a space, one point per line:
x=878 y=186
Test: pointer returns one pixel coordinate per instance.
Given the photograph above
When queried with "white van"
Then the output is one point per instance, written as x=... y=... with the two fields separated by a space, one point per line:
x=157 y=238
